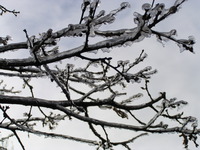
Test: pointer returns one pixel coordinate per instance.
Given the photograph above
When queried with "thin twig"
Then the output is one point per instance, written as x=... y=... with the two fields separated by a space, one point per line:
x=4 y=10
x=19 y=140
x=53 y=76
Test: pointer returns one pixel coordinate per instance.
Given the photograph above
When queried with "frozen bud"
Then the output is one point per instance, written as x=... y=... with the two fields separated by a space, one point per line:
x=165 y=126
x=8 y=37
x=138 y=19
x=119 y=62
x=4 y=40
x=161 y=7
x=192 y=119
x=191 y=39
x=126 y=62
x=137 y=15
x=125 y=5
x=54 y=51
x=131 y=77
x=110 y=19
x=146 y=31
x=94 y=4
x=165 y=103
x=71 y=27
x=147 y=68
x=49 y=32
x=86 y=2
x=173 y=10
x=69 y=67
x=101 y=13
x=194 y=124
x=172 y=100
x=146 y=6
x=173 y=32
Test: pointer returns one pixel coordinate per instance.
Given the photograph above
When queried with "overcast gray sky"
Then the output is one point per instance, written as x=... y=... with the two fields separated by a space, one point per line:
x=178 y=73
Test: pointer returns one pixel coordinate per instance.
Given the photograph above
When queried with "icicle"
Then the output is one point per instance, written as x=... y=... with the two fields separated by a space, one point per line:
x=92 y=31
x=94 y=51
x=128 y=43
x=106 y=50
x=139 y=39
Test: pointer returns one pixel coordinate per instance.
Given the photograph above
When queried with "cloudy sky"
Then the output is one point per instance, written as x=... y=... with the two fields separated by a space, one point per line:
x=178 y=73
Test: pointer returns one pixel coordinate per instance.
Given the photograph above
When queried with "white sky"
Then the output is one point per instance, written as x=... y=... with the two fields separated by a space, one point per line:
x=179 y=73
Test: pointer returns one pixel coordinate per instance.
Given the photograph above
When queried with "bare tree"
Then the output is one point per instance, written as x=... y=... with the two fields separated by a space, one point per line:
x=95 y=85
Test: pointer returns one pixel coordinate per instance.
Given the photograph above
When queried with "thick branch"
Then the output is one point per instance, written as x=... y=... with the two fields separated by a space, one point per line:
x=13 y=46
x=30 y=101
x=70 y=53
